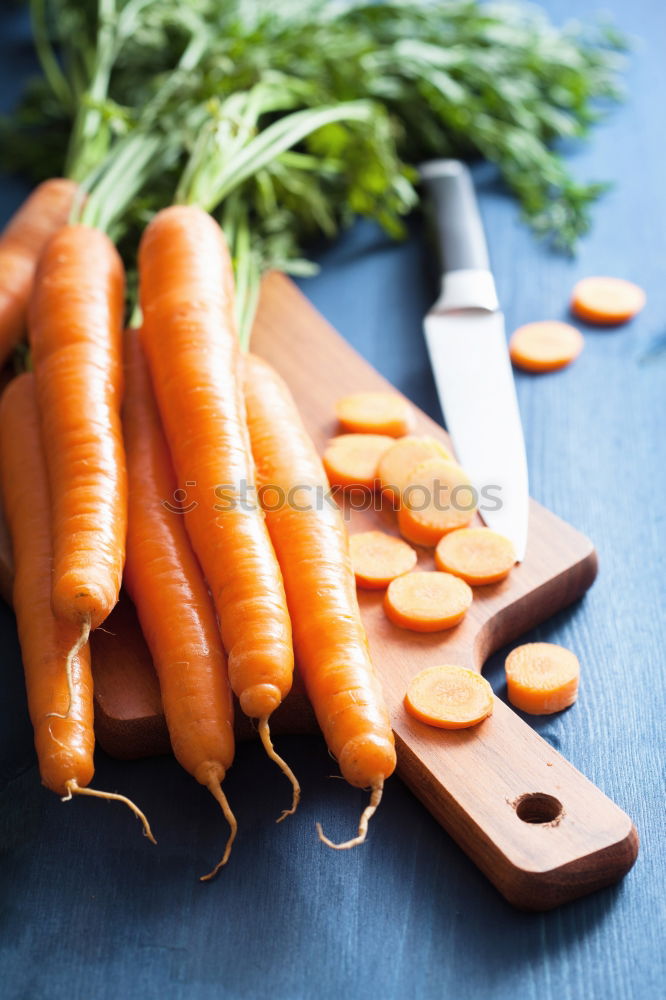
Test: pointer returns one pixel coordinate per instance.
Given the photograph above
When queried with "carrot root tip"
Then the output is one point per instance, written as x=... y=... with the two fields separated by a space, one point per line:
x=69 y=668
x=75 y=789
x=265 y=736
x=366 y=815
x=215 y=789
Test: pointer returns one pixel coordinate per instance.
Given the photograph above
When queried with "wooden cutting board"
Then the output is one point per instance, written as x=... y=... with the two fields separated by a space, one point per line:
x=541 y=832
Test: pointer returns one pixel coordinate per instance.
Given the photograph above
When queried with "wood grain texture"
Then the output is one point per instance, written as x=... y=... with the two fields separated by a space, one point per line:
x=535 y=865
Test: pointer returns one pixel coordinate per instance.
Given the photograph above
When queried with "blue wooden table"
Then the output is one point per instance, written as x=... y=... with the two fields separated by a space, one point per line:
x=90 y=910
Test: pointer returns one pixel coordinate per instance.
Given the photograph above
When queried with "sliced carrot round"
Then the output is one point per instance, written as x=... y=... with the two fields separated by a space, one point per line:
x=375 y=413
x=545 y=346
x=542 y=678
x=449 y=697
x=427 y=602
x=437 y=497
x=352 y=459
x=378 y=558
x=477 y=555
x=606 y=301
x=397 y=463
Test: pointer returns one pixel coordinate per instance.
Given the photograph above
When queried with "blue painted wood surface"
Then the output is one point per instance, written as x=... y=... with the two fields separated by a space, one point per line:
x=90 y=910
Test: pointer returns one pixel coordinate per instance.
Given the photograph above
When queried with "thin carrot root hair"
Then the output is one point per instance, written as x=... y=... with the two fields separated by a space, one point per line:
x=366 y=816
x=73 y=788
x=215 y=789
x=265 y=736
x=69 y=668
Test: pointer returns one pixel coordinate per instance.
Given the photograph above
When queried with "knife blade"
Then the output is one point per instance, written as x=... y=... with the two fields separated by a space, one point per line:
x=464 y=333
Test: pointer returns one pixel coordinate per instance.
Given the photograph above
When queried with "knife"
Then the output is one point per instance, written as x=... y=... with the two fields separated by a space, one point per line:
x=464 y=333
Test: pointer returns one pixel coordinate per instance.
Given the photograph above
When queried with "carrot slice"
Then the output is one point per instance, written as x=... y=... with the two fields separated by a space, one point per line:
x=606 y=301
x=545 y=346
x=352 y=459
x=375 y=413
x=438 y=497
x=397 y=463
x=427 y=602
x=477 y=555
x=378 y=558
x=449 y=697
x=542 y=678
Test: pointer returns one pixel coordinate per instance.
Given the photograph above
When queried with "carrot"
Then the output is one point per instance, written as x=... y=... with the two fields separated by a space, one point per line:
x=397 y=463
x=438 y=497
x=311 y=543
x=477 y=555
x=378 y=558
x=44 y=212
x=375 y=413
x=606 y=301
x=64 y=741
x=427 y=602
x=352 y=459
x=542 y=678
x=76 y=339
x=545 y=346
x=175 y=610
x=186 y=288
x=449 y=697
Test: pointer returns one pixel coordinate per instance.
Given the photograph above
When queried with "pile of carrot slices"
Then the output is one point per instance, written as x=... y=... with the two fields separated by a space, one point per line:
x=414 y=476
x=95 y=442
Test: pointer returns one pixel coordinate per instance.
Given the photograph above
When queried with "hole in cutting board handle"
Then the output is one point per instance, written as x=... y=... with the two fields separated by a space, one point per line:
x=538 y=807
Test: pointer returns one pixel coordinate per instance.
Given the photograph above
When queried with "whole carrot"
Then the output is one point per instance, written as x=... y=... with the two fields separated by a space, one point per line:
x=41 y=215
x=311 y=544
x=61 y=712
x=175 y=610
x=186 y=288
x=75 y=325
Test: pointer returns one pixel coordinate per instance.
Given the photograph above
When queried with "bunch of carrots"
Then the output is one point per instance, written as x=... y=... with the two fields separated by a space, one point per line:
x=98 y=435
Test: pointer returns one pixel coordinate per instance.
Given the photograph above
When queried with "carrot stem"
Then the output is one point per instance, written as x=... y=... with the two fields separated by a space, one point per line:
x=73 y=788
x=366 y=815
x=69 y=667
x=215 y=789
x=265 y=735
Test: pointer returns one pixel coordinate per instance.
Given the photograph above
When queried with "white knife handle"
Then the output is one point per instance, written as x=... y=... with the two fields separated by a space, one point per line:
x=459 y=230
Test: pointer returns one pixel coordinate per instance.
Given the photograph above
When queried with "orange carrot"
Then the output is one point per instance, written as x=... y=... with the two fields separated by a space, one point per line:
x=311 y=543
x=61 y=714
x=606 y=301
x=449 y=697
x=75 y=324
x=175 y=610
x=438 y=497
x=542 y=678
x=477 y=555
x=378 y=558
x=427 y=602
x=44 y=212
x=398 y=462
x=545 y=346
x=189 y=334
x=375 y=413
x=351 y=459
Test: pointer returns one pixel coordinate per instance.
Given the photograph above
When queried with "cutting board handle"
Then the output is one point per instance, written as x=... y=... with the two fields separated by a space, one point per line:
x=538 y=828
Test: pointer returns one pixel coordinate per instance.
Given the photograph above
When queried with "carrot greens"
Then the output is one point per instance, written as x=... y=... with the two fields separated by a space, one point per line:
x=289 y=123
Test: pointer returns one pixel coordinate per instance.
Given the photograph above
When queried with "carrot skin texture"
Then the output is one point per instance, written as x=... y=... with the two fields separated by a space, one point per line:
x=64 y=745
x=166 y=584
x=76 y=339
x=191 y=344
x=41 y=215
x=329 y=638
